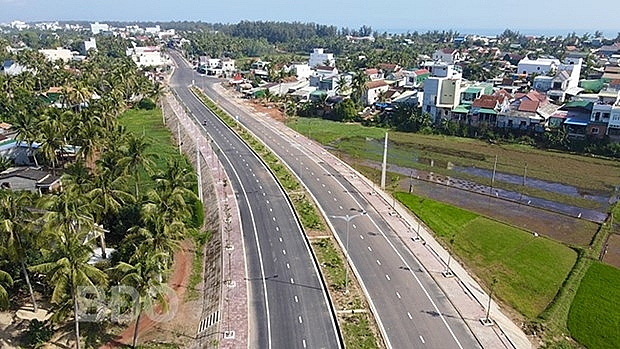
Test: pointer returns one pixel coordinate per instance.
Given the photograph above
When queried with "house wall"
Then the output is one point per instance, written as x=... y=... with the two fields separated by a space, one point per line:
x=537 y=66
x=319 y=57
x=450 y=92
x=18 y=183
x=543 y=83
x=372 y=95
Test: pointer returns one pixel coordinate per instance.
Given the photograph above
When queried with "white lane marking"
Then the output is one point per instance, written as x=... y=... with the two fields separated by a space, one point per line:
x=288 y=266
x=387 y=277
x=323 y=185
x=284 y=252
x=300 y=320
x=422 y=339
x=335 y=199
x=409 y=315
x=280 y=239
x=329 y=192
x=274 y=218
x=317 y=179
x=398 y=295
x=296 y=299
x=341 y=209
x=260 y=187
x=362 y=237
x=277 y=228
x=369 y=249
x=303 y=341
x=270 y=209
x=378 y=262
x=292 y=281
x=353 y=225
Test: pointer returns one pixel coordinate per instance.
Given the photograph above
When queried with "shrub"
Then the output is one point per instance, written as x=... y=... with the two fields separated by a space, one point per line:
x=146 y=104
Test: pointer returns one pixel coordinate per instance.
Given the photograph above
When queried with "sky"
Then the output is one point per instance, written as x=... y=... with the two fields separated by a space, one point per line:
x=529 y=17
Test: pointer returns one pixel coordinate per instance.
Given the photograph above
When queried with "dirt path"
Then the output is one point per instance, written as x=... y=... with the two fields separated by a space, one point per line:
x=178 y=282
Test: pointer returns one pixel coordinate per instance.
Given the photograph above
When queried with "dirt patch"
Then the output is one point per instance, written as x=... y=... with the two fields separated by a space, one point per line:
x=611 y=251
x=267 y=108
x=181 y=329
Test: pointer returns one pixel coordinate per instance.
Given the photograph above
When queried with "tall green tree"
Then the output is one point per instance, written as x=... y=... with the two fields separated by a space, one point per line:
x=5 y=281
x=17 y=228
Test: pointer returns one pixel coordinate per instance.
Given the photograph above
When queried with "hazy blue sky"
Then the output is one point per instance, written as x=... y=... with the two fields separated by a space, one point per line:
x=526 y=16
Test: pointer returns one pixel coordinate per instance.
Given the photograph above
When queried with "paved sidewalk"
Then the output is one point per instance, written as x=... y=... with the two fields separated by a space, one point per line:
x=233 y=307
x=469 y=299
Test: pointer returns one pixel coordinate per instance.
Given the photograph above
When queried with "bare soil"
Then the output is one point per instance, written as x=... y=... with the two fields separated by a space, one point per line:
x=612 y=251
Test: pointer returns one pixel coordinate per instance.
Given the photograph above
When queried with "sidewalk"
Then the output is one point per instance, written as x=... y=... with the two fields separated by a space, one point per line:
x=462 y=290
x=232 y=310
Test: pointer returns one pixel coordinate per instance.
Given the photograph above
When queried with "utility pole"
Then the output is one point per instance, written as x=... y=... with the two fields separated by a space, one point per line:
x=384 y=164
x=199 y=170
x=493 y=176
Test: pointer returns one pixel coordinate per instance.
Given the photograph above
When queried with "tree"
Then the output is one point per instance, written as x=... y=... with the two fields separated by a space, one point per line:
x=71 y=235
x=5 y=281
x=16 y=227
x=137 y=158
x=143 y=274
x=359 y=86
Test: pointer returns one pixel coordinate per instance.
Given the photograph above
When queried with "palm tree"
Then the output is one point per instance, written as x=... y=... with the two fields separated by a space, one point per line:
x=342 y=86
x=16 y=227
x=71 y=232
x=143 y=274
x=5 y=280
x=137 y=158
x=359 y=85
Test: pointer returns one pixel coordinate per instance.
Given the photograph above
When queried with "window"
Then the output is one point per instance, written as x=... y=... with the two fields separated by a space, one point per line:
x=605 y=116
x=597 y=116
x=594 y=130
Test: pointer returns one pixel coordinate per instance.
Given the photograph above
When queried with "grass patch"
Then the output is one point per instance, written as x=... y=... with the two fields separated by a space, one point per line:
x=529 y=270
x=594 y=318
x=588 y=174
x=356 y=332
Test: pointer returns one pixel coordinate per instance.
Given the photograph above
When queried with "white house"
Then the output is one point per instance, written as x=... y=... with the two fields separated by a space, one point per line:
x=53 y=55
x=442 y=91
x=97 y=28
x=373 y=90
x=302 y=70
x=447 y=55
x=152 y=30
x=150 y=56
x=90 y=44
x=319 y=57
x=540 y=66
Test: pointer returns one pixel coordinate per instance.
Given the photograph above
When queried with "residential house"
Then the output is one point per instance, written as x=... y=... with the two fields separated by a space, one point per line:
x=513 y=58
x=374 y=74
x=484 y=109
x=540 y=66
x=442 y=91
x=325 y=78
x=374 y=90
x=408 y=97
x=302 y=70
x=574 y=116
x=97 y=28
x=90 y=44
x=415 y=78
x=602 y=112
x=59 y=53
x=397 y=79
x=613 y=127
x=30 y=179
x=318 y=57
x=608 y=50
x=12 y=68
x=147 y=56
x=447 y=55
x=526 y=112
x=389 y=68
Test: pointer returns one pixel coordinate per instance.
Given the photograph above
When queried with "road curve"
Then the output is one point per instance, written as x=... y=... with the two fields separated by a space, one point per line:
x=289 y=306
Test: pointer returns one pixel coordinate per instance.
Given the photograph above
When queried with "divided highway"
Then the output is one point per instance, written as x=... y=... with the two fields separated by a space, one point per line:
x=289 y=306
x=412 y=310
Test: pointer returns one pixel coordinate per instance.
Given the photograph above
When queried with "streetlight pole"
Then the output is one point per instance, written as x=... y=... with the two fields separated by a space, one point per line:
x=348 y=219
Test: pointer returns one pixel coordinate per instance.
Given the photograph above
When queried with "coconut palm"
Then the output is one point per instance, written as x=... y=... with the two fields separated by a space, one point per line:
x=71 y=239
x=143 y=274
x=16 y=228
x=137 y=158
x=5 y=281
x=359 y=85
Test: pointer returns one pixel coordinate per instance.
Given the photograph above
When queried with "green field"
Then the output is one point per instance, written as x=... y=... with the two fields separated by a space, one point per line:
x=588 y=174
x=594 y=317
x=529 y=270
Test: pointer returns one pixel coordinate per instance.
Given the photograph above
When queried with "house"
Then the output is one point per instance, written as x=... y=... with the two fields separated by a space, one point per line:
x=374 y=74
x=147 y=56
x=486 y=107
x=302 y=70
x=415 y=78
x=389 y=68
x=613 y=127
x=11 y=68
x=374 y=90
x=526 y=112
x=540 y=66
x=442 y=91
x=574 y=116
x=319 y=57
x=5 y=128
x=90 y=44
x=30 y=179
x=513 y=58
x=97 y=28
x=602 y=113
x=447 y=55
x=259 y=65
x=474 y=91
x=411 y=98
x=59 y=53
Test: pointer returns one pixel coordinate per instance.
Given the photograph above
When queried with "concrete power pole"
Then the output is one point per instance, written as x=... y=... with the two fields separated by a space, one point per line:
x=384 y=164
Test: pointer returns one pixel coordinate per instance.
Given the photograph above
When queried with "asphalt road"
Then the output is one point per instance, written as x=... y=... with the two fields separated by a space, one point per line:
x=288 y=303
x=412 y=310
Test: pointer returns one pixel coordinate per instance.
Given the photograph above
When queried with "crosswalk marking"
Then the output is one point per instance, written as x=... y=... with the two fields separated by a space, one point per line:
x=209 y=321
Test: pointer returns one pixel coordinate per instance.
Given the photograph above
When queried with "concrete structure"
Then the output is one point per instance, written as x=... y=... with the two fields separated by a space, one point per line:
x=319 y=57
x=53 y=55
x=302 y=70
x=31 y=179
x=90 y=44
x=442 y=91
x=540 y=66
x=97 y=28
x=447 y=55
x=152 y=30
x=149 y=56
x=12 y=68
x=374 y=89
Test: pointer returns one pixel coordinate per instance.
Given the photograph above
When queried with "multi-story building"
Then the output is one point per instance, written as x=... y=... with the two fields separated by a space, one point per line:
x=442 y=91
x=319 y=57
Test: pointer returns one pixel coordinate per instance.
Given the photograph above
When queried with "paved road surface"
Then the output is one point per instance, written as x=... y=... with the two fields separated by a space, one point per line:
x=289 y=307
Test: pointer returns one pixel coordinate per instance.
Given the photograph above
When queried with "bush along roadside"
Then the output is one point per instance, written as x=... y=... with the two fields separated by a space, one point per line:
x=356 y=328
